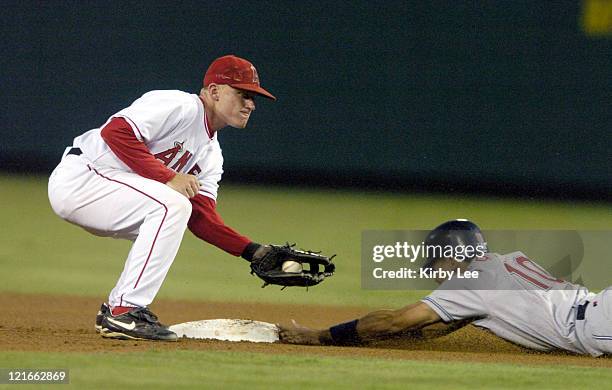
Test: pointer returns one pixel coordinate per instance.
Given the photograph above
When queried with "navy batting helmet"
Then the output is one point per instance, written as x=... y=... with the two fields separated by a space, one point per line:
x=458 y=233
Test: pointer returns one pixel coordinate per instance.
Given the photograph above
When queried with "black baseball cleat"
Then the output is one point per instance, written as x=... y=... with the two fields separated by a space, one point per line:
x=101 y=313
x=137 y=324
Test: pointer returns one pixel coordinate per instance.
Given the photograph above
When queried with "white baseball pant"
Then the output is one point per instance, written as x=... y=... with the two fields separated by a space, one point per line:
x=110 y=202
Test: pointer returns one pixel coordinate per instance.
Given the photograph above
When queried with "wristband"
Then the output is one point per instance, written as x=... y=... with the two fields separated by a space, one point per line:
x=249 y=251
x=345 y=334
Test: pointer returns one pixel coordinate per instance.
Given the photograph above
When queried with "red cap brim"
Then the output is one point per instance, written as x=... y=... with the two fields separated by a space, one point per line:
x=254 y=88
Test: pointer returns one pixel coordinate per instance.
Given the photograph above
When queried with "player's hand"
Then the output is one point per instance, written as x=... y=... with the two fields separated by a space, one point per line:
x=187 y=185
x=298 y=334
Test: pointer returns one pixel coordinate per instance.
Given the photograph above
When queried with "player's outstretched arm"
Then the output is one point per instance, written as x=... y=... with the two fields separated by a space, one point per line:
x=377 y=325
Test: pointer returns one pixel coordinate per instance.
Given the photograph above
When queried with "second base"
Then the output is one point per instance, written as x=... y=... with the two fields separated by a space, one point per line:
x=228 y=330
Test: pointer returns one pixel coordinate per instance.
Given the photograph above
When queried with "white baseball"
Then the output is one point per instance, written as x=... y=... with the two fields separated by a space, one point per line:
x=291 y=266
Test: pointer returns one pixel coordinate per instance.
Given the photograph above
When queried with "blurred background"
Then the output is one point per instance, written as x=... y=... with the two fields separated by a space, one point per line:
x=510 y=98
x=390 y=116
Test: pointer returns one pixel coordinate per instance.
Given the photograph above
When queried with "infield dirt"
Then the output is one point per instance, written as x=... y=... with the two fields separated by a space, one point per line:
x=66 y=324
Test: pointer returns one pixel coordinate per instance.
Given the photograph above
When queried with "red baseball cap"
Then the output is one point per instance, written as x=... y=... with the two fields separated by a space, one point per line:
x=236 y=72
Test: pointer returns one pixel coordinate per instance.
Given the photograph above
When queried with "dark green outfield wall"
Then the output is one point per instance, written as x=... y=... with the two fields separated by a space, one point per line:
x=505 y=95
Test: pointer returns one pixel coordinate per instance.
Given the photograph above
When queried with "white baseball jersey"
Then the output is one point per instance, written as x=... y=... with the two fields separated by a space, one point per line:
x=519 y=301
x=97 y=191
x=173 y=126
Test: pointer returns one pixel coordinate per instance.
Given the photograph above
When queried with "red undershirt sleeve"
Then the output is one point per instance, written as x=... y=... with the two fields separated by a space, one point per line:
x=120 y=138
x=207 y=225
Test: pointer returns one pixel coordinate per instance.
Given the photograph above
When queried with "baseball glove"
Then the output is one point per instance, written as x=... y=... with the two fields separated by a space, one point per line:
x=268 y=265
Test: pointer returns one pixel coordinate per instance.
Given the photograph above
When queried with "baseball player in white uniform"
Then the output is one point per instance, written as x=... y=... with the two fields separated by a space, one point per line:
x=147 y=174
x=512 y=296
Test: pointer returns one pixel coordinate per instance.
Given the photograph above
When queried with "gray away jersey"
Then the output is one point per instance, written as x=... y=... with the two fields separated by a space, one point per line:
x=519 y=301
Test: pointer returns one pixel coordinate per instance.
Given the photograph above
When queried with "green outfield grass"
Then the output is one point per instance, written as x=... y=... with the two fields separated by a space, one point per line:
x=40 y=253
x=191 y=369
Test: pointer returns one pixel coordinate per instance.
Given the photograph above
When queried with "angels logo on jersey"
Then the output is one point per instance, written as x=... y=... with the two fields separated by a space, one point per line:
x=179 y=145
x=168 y=155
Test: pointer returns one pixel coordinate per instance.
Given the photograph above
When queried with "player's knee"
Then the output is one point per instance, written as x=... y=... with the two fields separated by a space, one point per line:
x=180 y=207
x=186 y=207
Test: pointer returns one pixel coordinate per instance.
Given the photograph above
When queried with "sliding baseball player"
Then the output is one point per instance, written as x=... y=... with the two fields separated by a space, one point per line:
x=512 y=296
